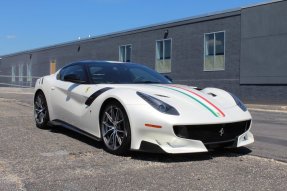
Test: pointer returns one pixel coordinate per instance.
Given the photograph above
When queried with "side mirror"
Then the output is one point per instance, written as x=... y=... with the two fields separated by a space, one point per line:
x=169 y=78
x=73 y=78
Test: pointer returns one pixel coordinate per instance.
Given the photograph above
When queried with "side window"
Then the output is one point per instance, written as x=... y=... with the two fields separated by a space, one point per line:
x=98 y=74
x=77 y=70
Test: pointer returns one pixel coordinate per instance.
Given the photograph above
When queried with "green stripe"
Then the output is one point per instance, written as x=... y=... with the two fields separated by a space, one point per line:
x=215 y=114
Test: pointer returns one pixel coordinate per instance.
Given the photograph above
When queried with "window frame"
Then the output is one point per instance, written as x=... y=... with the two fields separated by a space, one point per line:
x=163 y=55
x=214 y=50
x=163 y=50
x=125 y=46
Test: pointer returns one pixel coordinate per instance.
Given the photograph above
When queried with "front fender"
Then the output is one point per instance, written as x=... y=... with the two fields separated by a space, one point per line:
x=125 y=96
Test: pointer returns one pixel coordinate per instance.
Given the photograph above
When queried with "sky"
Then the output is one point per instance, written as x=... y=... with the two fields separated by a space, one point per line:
x=30 y=24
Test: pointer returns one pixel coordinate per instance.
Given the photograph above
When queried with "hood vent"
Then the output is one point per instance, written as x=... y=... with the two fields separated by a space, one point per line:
x=197 y=88
x=213 y=95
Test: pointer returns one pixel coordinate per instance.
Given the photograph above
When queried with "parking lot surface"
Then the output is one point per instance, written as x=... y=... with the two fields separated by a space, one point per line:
x=58 y=159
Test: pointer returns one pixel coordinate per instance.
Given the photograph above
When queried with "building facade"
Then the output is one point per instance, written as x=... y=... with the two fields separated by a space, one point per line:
x=242 y=51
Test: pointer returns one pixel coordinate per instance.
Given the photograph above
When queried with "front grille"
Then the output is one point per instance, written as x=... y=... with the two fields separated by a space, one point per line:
x=212 y=133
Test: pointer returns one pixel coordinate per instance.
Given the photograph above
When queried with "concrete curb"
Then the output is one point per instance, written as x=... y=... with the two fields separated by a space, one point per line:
x=16 y=90
x=258 y=107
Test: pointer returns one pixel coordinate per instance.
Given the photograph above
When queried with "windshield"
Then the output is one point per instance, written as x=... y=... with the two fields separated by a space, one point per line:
x=119 y=73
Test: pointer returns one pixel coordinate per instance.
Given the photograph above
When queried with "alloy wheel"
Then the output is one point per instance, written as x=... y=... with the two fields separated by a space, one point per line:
x=40 y=110
x=114 y=129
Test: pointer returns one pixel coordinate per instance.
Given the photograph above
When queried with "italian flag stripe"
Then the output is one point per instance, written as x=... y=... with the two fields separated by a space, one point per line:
x=194 y=93
x=196 y=97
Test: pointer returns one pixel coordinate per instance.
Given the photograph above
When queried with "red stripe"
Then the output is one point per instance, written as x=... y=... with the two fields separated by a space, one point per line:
x=201 y=98
x=151 y=125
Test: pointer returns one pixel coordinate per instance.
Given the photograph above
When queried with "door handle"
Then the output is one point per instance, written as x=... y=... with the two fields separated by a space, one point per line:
x=52 y=88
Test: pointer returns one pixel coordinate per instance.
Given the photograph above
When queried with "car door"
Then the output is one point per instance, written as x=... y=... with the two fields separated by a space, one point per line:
x=68 y=96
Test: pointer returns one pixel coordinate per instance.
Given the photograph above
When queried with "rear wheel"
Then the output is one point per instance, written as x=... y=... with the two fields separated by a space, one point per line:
x=41 y=113
x=115 y=128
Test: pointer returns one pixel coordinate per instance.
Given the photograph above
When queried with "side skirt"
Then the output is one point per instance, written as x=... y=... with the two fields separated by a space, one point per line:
x=57 y=122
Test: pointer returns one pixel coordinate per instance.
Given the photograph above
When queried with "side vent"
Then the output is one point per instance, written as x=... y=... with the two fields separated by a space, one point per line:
x=94 y=96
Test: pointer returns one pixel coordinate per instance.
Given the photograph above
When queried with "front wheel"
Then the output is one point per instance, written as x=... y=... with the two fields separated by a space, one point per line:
x=41 y=113
x=115 y=128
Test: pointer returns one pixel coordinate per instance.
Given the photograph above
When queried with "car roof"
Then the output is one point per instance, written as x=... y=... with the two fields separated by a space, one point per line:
x=99 y=62
x=95 y=61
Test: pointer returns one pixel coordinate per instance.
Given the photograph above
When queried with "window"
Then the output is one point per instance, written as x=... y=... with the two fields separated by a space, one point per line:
x=125 y=52
x=114 y=73
x=163 y=56
x=20 y=72
x=214 y=51
x=29 y=76
x=77 y=70
x=13 y=74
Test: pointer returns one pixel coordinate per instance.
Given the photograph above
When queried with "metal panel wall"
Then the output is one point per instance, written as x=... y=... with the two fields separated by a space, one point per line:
x=187 y=51
x=263 y=48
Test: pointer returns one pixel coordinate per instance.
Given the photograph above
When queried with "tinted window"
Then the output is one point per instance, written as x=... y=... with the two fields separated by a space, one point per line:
x=219 y=43
x=209 y=44
x=77 y=70
x=124 y=74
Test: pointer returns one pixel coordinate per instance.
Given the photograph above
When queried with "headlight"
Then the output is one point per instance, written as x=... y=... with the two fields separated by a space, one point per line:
x=158 y=104
x=239 y=102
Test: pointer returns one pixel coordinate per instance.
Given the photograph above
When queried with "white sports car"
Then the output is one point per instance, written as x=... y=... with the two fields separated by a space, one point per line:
x=131 y=107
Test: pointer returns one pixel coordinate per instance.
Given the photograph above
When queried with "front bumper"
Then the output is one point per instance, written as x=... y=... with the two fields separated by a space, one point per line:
x=164 y=139
x=181 y=145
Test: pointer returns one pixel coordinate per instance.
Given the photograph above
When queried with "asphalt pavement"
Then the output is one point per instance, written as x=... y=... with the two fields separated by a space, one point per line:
x=58 y=159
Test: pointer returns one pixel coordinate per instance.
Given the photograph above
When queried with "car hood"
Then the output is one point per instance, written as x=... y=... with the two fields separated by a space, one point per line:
x=213 y=100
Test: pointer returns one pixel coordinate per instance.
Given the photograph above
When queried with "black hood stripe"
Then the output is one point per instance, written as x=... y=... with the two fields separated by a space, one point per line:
x=94 y=96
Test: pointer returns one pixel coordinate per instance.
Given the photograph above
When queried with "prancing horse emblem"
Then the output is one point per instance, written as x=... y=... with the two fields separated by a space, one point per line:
x=221 y=132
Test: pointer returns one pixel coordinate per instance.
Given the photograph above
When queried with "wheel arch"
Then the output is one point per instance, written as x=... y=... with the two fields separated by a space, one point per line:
x=37 y=92
x=47 y=101
x=46 y=118
x=106 y=102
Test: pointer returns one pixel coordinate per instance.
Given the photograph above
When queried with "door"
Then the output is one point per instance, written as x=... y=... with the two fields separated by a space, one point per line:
x=68 y=98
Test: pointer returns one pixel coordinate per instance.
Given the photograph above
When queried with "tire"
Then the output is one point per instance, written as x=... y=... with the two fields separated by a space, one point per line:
x=115 y=128
x=41 y=112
